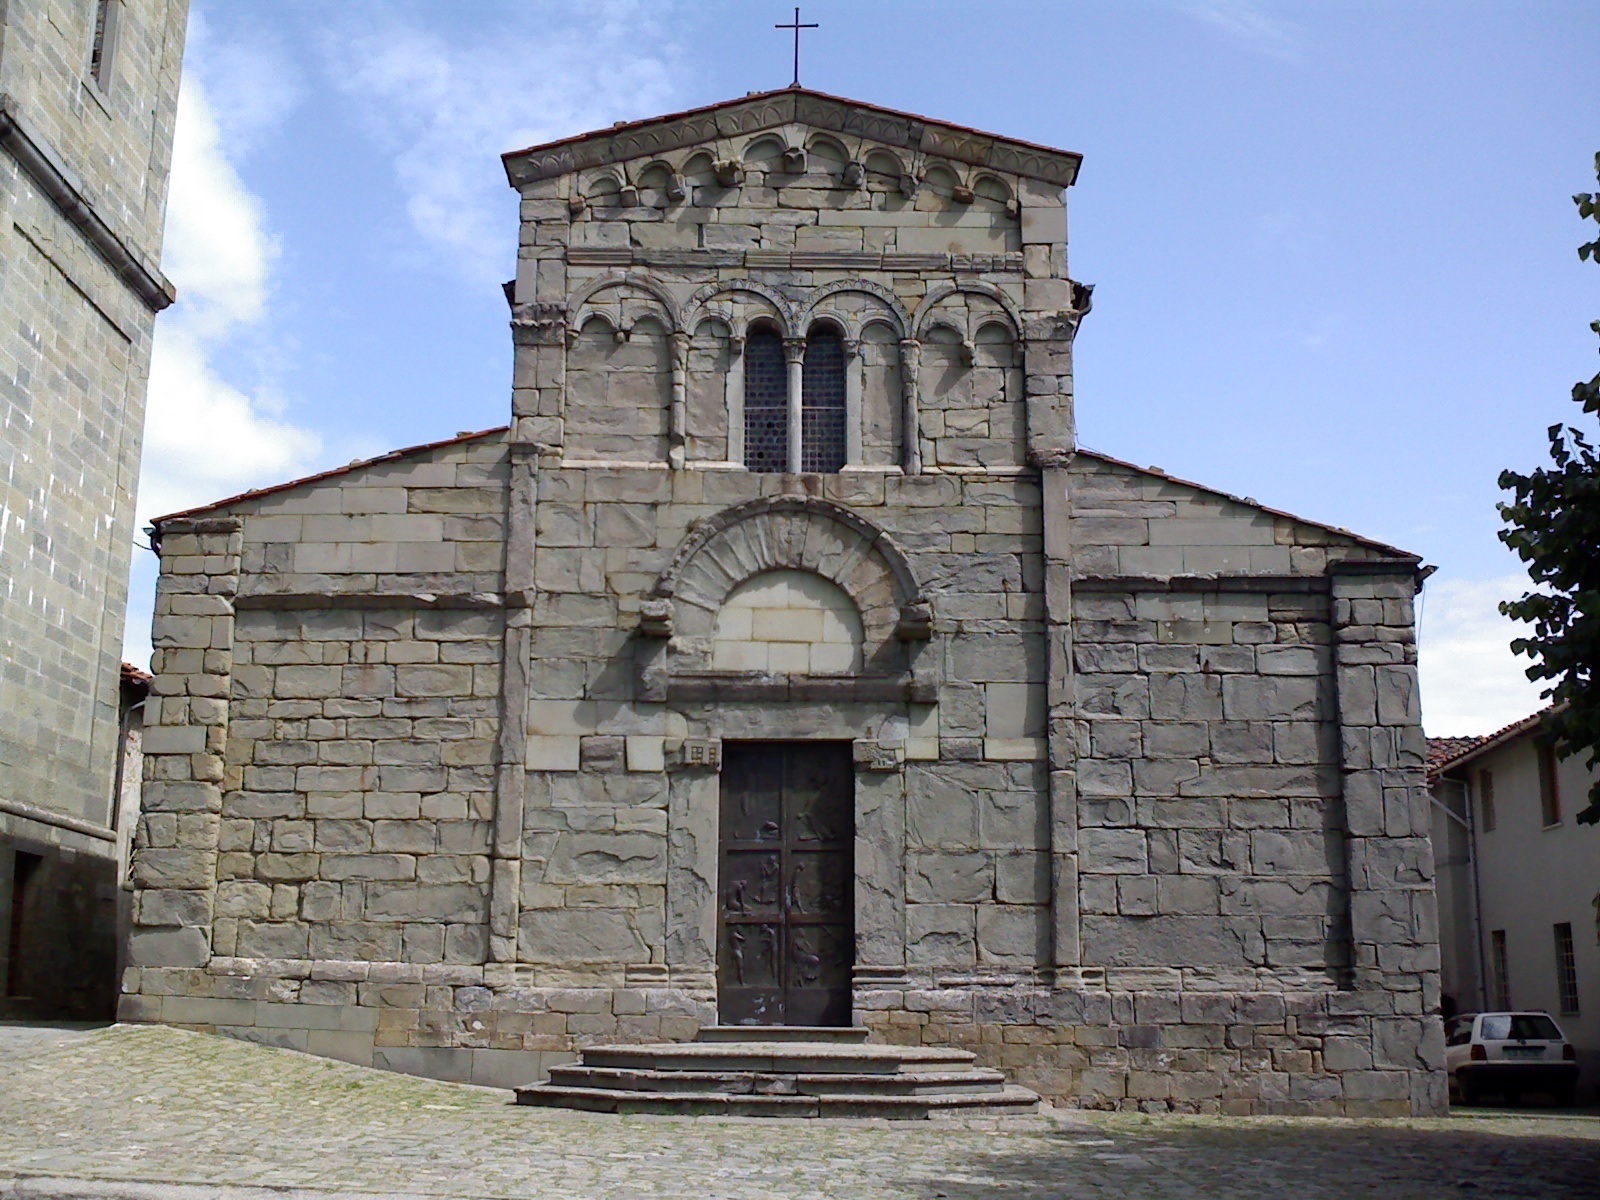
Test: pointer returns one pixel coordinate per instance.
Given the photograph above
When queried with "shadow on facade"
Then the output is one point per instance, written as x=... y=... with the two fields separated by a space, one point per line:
x=58 y=927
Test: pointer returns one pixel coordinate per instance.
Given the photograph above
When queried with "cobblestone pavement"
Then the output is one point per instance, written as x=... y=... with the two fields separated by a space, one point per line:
x=158 y=1108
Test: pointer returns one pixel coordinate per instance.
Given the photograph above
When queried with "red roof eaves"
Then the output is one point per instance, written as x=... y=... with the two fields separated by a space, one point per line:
x=625 y=126
x=330 y=474
x=1492 y=741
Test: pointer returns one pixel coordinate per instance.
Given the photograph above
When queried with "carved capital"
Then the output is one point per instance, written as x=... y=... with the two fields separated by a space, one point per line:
x=855 y=174
x=540 y=324
x=1051 y=457
x=728 y=172
x=794 y=350
x=655 y=618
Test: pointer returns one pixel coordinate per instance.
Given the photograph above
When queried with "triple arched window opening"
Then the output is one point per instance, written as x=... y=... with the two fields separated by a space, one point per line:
x=807 y=436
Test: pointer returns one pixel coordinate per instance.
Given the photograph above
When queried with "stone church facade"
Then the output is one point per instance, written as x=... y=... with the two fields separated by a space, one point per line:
x=784 y=661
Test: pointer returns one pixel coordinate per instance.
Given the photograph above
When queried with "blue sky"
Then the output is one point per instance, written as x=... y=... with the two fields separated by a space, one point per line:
x=1332 y=244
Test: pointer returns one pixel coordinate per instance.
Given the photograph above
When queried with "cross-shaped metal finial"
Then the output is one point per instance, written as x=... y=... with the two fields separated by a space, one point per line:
x=797 y=27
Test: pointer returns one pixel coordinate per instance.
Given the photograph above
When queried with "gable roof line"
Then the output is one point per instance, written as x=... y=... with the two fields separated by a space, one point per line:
x=1392 y=551
x=1492 y=741
x=355 y=465
x=1071 y=158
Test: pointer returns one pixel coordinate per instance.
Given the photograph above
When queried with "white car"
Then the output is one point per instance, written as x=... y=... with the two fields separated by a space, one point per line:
x=1508 y=1053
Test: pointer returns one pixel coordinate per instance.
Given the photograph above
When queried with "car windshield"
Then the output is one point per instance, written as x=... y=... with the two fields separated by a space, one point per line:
x=1518 y=1027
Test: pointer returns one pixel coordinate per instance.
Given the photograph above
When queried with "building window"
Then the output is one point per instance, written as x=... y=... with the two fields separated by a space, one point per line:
x=1566 y=970
x=103 y=45
x=822 y=406
x=819 y=409
x=766 y=402
x=1549 y=784
x=1499 y=971
x=1486 y=800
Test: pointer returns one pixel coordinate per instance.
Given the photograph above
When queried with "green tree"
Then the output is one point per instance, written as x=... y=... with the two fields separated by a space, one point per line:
x=1553 y=523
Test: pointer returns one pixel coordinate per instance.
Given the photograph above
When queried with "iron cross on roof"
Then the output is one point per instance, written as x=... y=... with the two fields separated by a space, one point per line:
x=797 y=27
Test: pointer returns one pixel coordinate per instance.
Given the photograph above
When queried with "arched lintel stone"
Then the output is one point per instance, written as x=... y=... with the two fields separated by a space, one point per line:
x=795 y=533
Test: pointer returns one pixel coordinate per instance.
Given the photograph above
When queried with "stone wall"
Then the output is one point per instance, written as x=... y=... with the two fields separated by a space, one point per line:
x=1117 y=738
x=83 y=174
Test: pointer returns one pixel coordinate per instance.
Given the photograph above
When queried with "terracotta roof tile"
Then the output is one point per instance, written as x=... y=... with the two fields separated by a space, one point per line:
x=623 y=128
x=1482 y=745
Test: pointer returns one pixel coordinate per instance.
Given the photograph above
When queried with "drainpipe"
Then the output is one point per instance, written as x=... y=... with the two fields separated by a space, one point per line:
x=1477 y=894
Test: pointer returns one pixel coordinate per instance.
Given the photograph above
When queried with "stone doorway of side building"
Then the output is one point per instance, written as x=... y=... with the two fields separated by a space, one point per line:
x=786 y=882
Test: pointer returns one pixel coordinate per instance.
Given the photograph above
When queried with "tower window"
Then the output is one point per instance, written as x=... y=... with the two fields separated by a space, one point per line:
x=766 y=402
x=103 y=45
x=822 y=406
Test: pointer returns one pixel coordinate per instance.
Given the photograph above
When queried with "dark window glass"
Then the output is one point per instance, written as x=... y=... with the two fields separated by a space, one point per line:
x=1500 y=968
x=103 y=43
x=1519 y=1027
x=766 y=403
x=1566 y=969
x=822 y=403
x=1549 y=785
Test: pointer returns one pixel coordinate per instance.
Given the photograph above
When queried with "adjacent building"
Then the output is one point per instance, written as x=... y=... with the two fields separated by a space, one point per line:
x=88 y=92
x=1519 y=883
x=786 y=661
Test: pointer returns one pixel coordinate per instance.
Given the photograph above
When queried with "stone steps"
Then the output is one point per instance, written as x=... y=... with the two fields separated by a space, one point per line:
x=779 y=1072
x=721 y=1104
x=852 y=1035
x=915 y=1083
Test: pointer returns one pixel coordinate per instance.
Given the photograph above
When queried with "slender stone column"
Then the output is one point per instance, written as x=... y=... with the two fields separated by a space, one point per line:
x=852 y=402
x=678 y=429
x=910 y=362
x=735 y=400
x=794 y=352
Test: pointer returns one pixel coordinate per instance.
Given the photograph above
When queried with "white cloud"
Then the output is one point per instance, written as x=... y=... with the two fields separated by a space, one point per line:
x=216 y=249
x=1471 y=682
x=1250 y=24
x=207 y=437
x=446 y=106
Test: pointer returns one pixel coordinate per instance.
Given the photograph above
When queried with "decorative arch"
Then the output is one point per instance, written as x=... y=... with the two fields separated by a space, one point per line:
x=781 y=311
x=796 y=533
x=939 y=292
x=584 y=304
x=818 y=301
x=762 y=149
x=602 y=183
x=991 y=187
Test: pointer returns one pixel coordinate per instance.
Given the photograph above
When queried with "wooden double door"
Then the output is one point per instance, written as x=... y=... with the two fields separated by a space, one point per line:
x=786 y=919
